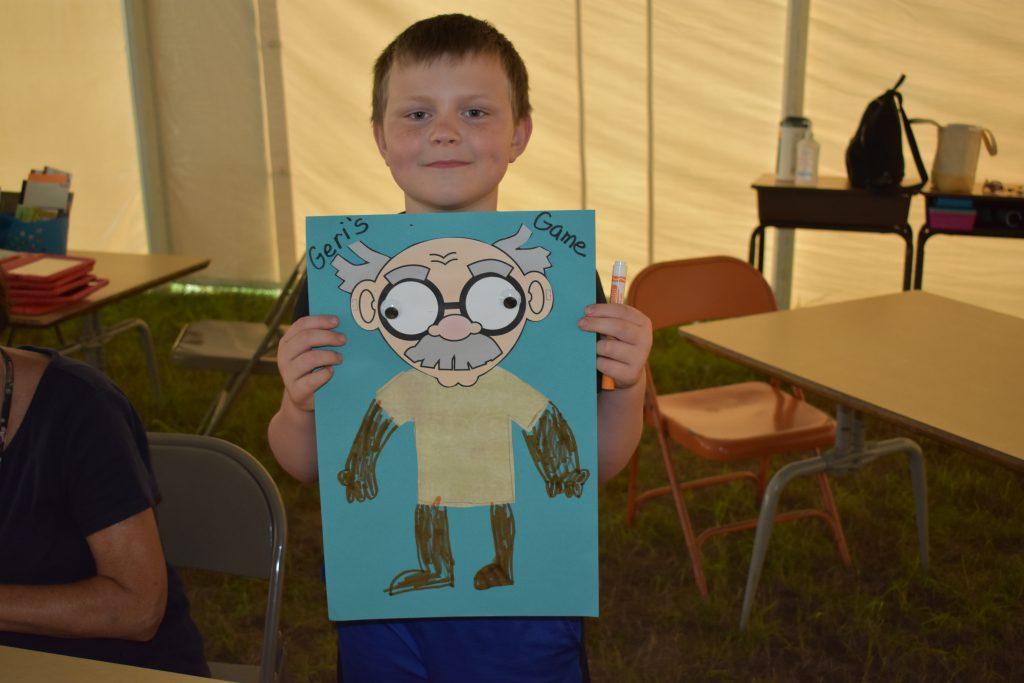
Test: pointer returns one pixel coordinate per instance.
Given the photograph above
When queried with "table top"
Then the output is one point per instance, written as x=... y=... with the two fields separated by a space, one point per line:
x=770 y=182
x=28 y=666
x=129 y=274
x=951 y=370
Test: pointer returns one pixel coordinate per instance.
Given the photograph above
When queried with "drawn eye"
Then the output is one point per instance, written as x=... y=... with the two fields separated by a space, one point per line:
x=409 y=308
x=495 y=303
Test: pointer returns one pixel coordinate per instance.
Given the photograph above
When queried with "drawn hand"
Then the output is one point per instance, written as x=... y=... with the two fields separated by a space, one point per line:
x=626 y=341
x=569 y=483
x=305 y=366
x=358 y=488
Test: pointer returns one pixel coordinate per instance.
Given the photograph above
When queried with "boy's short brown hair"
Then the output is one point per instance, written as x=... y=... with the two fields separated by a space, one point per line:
x=451 y=36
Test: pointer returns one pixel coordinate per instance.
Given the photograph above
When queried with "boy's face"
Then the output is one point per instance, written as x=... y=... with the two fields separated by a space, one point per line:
x=448 y=133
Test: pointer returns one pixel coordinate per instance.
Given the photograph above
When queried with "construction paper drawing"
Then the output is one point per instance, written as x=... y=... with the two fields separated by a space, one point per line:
x=457 y=439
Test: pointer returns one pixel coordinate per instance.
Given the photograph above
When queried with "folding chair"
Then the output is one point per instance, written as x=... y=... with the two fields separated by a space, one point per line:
x=221 y=511
x=239 y=347
x=739 y=422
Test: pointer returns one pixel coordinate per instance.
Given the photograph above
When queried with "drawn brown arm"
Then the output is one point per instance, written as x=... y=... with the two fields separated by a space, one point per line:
x=359 y=477
x=553 y=448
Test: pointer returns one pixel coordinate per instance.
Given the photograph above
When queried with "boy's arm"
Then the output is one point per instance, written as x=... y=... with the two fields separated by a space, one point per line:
x=620 y=422
x=292 y=438
x=622 y=355
x=304 y=368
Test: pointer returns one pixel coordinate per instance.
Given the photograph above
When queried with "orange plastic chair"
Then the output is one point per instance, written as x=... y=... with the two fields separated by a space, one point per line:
x=745 y=421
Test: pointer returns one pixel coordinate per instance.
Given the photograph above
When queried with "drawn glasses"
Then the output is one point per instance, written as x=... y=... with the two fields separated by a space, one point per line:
x=410 y=307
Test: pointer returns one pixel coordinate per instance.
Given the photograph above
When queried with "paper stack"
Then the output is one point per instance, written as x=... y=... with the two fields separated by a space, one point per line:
x=42 y=283
x=44 y=195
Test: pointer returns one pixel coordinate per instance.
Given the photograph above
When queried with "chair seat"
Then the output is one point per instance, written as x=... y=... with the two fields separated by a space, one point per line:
x=746 y=420
x=223 y=345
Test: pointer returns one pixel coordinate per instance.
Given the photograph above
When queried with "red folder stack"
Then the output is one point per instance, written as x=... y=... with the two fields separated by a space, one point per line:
x=42 y=283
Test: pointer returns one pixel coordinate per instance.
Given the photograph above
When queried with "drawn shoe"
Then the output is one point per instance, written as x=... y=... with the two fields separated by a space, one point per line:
x=433 y=547
x=492 y=576
x=420 y=579
x=499 y=572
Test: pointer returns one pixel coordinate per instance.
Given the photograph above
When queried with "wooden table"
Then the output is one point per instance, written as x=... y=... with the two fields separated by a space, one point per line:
x=829 y=204
x=937 y=366
x=28 y=666
x=129 y=274
x=992 y=213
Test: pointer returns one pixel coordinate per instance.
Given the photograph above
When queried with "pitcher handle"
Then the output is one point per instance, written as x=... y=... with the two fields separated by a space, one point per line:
x=990 y=141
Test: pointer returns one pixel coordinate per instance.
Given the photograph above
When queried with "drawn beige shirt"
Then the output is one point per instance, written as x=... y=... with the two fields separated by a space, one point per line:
x=463 y=434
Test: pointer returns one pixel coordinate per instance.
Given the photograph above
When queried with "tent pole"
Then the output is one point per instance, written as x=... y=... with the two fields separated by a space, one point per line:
x=794 y=74
x=272 y=76
x=650 y=132
x=147 y=128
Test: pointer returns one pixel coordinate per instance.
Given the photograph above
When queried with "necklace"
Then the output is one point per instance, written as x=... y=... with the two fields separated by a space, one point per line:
x=5 y=411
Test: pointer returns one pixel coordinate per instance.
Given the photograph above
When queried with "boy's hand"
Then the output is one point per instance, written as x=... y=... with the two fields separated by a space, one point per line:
x=298 y=357
x=626 y=340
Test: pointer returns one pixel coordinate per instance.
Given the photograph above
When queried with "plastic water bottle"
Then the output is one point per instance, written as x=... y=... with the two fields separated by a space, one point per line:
x=807 y=150
x=791 y=131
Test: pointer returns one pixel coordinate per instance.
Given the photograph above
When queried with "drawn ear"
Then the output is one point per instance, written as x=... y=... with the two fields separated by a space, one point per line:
x=364 y=306
x=539 y=297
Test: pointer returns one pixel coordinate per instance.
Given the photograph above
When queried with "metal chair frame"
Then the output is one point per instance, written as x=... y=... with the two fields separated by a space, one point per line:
x=679 y=292
x=221 y=511
x=253 y=348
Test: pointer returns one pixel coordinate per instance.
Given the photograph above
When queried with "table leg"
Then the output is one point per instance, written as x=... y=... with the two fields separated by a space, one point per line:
x=849 y=453
x=922 y=237
x=908 y=256
x=94 y=336
x=756 y=247
x=92 y=329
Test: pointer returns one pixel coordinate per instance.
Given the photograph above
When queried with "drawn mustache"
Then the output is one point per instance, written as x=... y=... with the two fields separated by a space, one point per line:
x=444 y=354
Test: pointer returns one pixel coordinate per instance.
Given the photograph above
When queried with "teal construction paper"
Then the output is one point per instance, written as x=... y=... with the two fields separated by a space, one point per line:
x=367 y=543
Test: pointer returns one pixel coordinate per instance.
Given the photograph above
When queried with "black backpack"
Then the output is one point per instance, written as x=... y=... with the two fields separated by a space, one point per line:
x=874 y=159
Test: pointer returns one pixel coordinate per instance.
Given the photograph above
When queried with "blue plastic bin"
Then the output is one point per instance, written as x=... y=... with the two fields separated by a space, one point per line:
x=45 y=237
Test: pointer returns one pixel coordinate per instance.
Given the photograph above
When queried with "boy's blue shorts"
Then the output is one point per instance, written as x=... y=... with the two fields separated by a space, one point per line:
x=499 y=650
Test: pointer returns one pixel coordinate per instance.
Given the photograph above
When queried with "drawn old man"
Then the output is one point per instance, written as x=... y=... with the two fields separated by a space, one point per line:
x=453 y=308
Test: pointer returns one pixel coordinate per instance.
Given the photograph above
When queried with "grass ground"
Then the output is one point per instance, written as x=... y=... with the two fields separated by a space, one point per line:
x=882 y=619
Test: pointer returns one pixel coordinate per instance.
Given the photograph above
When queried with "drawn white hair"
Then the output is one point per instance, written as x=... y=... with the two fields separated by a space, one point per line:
x=533 y=259
x=351 y=274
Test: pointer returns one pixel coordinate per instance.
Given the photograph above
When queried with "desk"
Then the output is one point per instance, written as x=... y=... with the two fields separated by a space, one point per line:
x=129 y=274
x=28 y=666
x=943 y=368
x=991 y=214
x=829 y=204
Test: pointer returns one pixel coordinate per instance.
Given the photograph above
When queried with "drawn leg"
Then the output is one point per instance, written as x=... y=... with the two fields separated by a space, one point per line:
x=499 y=572
x=433 y=545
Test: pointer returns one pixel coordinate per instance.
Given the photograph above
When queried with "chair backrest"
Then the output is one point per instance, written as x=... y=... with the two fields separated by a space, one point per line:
x=285 y=304
x=221 y=511
x=707 y=288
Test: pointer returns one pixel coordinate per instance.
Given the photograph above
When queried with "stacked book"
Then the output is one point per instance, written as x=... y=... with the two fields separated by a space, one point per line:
x=43 y=283
x=36 y=219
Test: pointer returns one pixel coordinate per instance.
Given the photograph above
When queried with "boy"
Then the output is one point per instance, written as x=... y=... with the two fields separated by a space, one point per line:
x=451 y=111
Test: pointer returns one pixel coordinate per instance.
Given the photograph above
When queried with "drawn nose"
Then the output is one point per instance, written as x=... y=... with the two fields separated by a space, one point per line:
x=454 y=328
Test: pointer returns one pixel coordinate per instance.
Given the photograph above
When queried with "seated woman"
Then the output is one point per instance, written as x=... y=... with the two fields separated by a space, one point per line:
x=82 y=571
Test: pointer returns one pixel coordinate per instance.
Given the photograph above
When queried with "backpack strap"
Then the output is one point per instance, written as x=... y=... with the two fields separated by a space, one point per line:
x=912 y=142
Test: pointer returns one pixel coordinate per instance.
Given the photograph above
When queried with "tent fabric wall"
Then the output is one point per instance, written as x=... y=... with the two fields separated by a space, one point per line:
x=67 y=103
x=715 y=79
x=209 y=123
